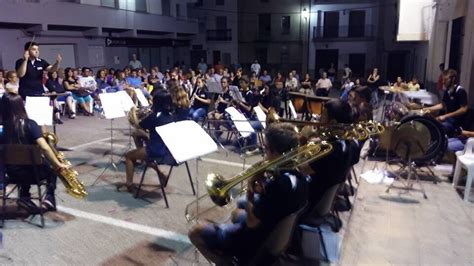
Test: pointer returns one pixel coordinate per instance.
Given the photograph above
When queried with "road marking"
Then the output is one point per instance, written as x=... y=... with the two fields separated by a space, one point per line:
x=209 y=160
x=88 y=143
x=161 y=233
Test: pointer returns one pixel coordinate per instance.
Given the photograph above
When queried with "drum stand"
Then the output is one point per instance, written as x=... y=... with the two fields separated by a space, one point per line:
x=412 y=176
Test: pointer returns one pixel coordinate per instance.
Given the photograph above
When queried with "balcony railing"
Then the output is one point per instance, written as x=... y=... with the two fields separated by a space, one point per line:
x=346 y=32
x=219 y=35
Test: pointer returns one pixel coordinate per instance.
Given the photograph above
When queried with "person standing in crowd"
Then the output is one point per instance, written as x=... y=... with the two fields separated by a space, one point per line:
x=331 y=72
x=454 y=103
x=135 y=63
x=347 y=73
x=30 y=70
x=440 y=83
x=323 y=86
x=202 y=67
x=373 y=84
x=255 y=67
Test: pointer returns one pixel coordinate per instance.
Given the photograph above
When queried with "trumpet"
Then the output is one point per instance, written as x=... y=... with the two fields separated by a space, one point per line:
x=220 y=190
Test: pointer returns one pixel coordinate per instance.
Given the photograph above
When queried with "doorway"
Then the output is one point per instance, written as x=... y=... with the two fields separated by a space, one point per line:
x=196 y=56
x=324 y=58
x=396 y=65
x=357 y=65
x=216 y=57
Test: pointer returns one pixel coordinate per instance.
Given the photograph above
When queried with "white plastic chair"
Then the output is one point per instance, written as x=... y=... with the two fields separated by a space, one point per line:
x=465 y=159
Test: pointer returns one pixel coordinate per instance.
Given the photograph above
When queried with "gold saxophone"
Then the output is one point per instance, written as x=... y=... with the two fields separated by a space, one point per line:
x=68 y=176
x=135 y=116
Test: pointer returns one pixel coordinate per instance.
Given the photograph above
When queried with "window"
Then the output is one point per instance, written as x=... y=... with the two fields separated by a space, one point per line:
x=331 y=24
x=178 y=10
x=285 y=24
x=109 y=3
x=140 y=5
x=264 y=24
x=220 y=2
x=198 y=3
x=166 y=7
x=356 y=23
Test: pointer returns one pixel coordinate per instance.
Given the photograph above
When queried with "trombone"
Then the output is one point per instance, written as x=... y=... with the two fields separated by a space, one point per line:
x=221 y=191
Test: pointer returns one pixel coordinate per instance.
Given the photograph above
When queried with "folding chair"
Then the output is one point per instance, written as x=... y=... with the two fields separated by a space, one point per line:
x=163 y=183
x=21 y=155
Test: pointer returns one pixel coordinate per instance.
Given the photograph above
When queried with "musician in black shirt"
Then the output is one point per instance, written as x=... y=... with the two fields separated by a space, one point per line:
x=454 y=103
x=200 y=101
x=30 y=70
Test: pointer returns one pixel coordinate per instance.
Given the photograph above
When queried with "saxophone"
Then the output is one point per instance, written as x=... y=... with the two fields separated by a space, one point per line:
x=68 y=176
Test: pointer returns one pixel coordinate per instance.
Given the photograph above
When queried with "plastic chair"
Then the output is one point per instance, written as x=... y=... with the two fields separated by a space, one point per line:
x=465 y=159
x=23 y=155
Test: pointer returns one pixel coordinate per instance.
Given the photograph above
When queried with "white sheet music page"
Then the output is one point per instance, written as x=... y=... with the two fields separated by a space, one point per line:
x=240 y=121
x=182 y=147
x=141 y=98
x=262 y=117
x=111 y=103
x=126 y=101
x=39 y=110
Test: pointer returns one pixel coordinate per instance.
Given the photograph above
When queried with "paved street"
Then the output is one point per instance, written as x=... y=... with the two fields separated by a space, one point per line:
x=113 y=228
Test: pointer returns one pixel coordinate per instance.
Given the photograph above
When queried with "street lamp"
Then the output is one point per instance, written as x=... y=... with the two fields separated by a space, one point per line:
x=305 y=13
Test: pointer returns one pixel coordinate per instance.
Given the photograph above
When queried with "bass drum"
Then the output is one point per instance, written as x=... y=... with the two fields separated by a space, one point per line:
x=420 y=138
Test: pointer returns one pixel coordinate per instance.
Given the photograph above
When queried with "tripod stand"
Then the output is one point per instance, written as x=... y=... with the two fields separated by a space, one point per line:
x=409 y=168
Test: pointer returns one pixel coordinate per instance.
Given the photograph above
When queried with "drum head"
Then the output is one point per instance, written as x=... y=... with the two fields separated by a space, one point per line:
x=420 y=139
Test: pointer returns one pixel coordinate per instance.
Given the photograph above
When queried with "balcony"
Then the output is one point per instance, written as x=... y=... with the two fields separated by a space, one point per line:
x=219 y=35
x=341 y=33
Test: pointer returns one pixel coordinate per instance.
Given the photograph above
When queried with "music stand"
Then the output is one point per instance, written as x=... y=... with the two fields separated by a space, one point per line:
x=113 y=108
x=175 y=136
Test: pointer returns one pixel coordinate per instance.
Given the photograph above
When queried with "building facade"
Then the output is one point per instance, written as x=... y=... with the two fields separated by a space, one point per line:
x=218 y=32
x=274 y=32
x=98 y=33
x=363 y=34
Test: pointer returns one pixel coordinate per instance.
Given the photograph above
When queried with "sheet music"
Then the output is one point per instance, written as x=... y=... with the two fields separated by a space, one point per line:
x=240 y=121
x=236 y=94
x=141 y=98
x=182 y=148
x=213 y=86
x=262 y=117
x=125 y=100
x=39 y=110
x=111 y=105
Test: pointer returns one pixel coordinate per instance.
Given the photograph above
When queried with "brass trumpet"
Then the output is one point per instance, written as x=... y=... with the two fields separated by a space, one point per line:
x=220 y=190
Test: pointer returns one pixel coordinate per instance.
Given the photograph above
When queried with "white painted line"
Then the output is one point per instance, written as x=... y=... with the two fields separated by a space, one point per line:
x=209 y=160
x=88 y=143
x=169 y=235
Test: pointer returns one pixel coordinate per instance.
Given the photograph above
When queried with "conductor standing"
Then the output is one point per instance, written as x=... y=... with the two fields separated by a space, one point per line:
x=30 y=70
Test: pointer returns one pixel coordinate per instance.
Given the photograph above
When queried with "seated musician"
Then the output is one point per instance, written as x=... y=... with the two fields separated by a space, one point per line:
x=19 y=129
x=252 y=98
x=162 y=114
x=180 y=99
x=200 y=101
x=278 y=196
x=222 y=102
x=454 y=103
x=457 y=142
x=359 y=100
x=270 y=99
x=332 y=169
